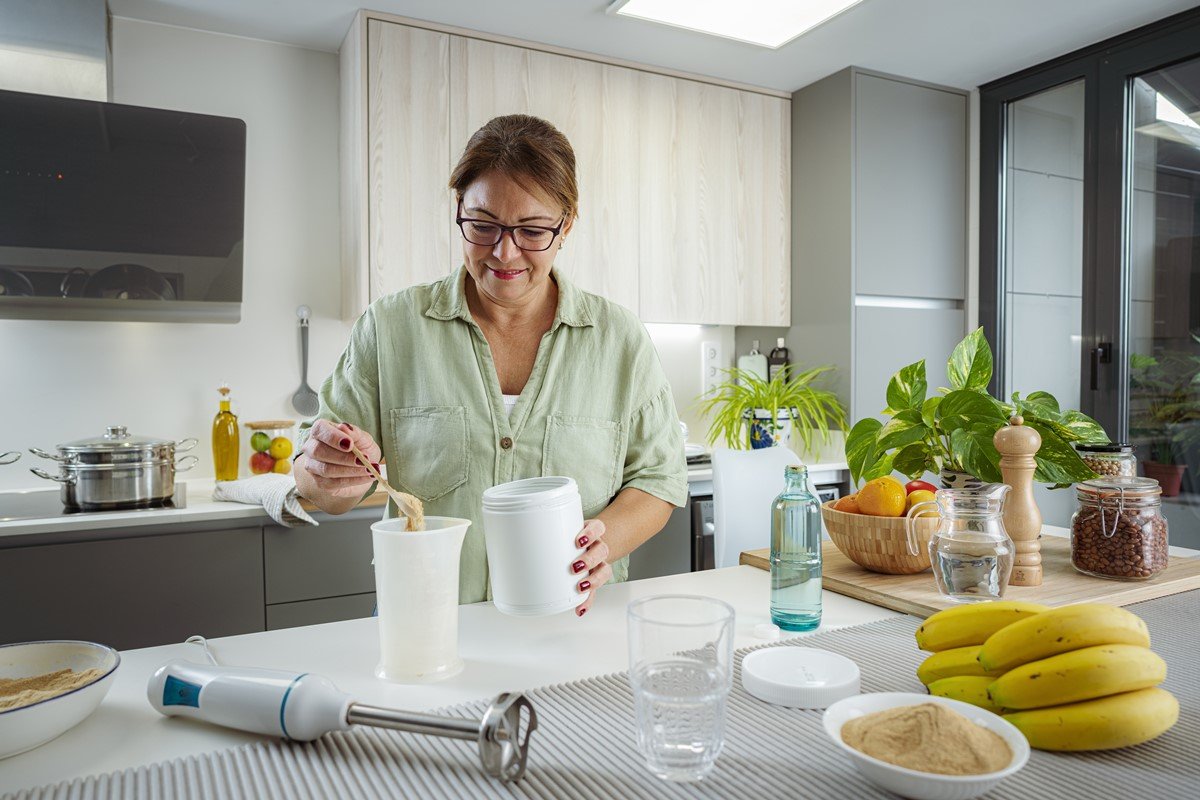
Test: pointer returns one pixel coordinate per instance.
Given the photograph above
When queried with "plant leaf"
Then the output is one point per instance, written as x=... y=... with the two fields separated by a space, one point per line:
x=881 y=467
x=1043 y=399
x=907 y=387
x=912 y=459
x=963 y=408
x=901 y=430
x=970 y=365
x=1057 y=461
x=929 y=411
x=861 y=449
x=972 y=447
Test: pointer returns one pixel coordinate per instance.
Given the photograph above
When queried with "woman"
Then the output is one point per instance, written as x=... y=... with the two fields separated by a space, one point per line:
x=505 y=370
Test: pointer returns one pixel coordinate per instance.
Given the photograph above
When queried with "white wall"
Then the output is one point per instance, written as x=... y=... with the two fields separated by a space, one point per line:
x=679 y=348
x=66 y=380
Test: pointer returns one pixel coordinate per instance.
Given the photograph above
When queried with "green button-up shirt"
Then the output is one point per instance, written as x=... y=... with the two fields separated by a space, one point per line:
x=418 y=375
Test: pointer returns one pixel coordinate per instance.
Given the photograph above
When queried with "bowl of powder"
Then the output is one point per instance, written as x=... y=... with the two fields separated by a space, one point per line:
x=47 y=688
x=926 y=747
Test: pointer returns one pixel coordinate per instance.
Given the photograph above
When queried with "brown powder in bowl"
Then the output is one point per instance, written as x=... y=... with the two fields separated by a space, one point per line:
x=929 y=738
x=18 y=692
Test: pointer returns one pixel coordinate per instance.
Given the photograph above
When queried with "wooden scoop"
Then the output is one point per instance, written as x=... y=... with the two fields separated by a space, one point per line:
x=409 y=506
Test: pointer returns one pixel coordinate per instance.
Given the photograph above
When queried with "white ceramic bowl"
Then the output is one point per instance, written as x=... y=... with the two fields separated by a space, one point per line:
x=912 y=783
x=27 y=727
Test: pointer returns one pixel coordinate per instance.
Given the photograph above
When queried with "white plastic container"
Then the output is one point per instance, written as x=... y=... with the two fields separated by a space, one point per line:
x=416 y=587
x=531 y=528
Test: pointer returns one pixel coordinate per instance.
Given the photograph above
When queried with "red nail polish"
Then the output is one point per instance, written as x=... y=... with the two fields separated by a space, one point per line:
x=345 y=444
x=578 y=566
x=583 y=540
x=585 y=585
x=376 y=466
x=359 y=461
x=581 y=612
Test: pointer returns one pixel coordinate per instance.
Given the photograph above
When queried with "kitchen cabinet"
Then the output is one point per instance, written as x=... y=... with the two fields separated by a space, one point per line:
x=684 y=184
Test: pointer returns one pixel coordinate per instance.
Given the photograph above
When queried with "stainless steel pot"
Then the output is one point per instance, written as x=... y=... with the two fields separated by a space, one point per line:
x=117 y=470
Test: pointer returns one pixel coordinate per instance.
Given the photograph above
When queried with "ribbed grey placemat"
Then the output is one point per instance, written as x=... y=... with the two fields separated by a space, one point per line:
x=584 y=747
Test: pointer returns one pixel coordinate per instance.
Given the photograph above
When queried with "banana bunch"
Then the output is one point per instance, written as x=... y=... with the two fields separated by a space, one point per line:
x=1079 y=677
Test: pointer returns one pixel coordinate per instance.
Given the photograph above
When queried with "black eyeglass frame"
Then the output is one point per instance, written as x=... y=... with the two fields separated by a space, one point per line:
x=509 y=229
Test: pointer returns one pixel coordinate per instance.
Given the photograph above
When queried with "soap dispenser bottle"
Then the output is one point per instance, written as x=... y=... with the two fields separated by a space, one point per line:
x=225 y=438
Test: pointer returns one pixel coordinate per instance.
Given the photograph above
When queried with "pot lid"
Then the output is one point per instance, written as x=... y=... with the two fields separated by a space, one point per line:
x=115 y=439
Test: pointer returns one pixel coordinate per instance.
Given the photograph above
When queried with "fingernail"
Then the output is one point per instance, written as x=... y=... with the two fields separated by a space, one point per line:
x=583 y=540
x=578 y=566
x=345 y=444
x=585 y=585
x=581 y=612
x=376 y=466
x=358 y=461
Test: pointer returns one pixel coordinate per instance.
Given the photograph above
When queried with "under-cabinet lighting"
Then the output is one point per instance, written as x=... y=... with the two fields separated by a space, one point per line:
x=767 y=23
x=672 y=330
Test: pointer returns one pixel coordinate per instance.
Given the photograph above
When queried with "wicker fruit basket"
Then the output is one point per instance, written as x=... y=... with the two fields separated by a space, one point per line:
x=879 y=544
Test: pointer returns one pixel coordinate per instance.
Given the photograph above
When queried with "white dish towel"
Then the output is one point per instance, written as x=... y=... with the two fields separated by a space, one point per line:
x=275 y=493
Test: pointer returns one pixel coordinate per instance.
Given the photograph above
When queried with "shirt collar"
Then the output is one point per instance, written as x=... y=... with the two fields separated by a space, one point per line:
x=449 y=301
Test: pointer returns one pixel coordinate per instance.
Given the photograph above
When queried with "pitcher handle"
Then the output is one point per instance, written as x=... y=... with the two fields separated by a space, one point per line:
x=910 y=526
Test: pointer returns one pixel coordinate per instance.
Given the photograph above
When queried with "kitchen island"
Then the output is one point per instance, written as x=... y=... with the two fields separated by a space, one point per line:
x=502 y=653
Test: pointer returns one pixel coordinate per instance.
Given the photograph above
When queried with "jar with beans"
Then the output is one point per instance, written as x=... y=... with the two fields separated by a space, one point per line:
x=1110 y=458
x=1119 y=530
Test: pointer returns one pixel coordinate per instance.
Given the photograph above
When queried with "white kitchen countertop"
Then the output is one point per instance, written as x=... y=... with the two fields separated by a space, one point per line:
x=502 y=653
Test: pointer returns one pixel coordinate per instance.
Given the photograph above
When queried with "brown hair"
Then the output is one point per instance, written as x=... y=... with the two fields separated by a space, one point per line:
x=523 y=148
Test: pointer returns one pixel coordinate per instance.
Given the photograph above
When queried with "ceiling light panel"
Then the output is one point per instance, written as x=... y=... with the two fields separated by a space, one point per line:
x=767 y=23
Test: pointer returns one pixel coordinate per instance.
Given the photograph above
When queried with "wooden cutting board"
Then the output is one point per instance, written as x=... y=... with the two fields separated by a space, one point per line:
x=917 y=594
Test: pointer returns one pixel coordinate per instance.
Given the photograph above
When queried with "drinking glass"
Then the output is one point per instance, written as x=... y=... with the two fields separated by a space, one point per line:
x=680 y=670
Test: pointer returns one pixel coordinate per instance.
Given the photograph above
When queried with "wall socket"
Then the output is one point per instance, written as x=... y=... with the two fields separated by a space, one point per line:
x=711 y=364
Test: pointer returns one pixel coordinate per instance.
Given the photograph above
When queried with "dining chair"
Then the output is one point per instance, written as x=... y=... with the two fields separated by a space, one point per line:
x=745 y=482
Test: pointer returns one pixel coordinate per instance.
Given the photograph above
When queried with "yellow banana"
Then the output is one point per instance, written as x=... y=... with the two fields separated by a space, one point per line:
x=962 y=626
x=951 y=664
x=967 y=688
x=1120 y=720
x=1060 y=630
x=1079 y=675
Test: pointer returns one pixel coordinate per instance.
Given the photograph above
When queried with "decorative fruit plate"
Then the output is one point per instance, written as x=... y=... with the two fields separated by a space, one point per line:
x=1061 y=584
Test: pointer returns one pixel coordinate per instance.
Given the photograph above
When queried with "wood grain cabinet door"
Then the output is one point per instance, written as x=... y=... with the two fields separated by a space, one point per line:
x=595 y=106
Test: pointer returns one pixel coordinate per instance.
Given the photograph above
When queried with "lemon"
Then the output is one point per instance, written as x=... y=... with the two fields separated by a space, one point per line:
x=281 y=447
x=919 y=496
x=883 y=497
x=282 y=466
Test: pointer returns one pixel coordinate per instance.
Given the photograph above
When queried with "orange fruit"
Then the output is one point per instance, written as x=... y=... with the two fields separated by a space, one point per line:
x=849 y=504
x=883 y=497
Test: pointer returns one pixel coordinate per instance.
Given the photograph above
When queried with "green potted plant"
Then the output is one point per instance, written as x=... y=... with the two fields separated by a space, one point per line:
x=748 y=412
x=950 y=433
x=1165 y=414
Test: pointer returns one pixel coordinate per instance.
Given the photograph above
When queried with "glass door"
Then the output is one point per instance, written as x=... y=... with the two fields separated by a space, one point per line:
x=1160 y=303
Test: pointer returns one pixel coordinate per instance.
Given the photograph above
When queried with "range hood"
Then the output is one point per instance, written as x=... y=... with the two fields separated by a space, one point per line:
x=56 y=47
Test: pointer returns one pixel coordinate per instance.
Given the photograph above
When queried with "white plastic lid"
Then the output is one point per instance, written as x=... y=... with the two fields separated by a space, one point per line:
x=767 y=630
x=799 y=677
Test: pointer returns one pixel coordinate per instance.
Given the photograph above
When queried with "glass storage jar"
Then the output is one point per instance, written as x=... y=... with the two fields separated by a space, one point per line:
x=271 y=445
x=1119 y=530
x=1110 y=458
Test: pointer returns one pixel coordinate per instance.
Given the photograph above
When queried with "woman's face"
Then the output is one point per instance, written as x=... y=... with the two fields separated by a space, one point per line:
x=503 y=272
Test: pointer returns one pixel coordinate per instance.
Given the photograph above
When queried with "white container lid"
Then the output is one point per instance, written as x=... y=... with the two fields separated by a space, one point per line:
x=799 y=677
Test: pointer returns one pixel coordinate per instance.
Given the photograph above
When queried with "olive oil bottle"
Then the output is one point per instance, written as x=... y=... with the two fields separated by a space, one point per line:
x=225 y=440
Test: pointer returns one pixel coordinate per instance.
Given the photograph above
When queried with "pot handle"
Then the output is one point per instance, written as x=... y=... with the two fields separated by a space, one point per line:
x=910 y=525
x=41 y=473
x=44 y=454
x=4 y=457
x=186 y=445
x=191 y=461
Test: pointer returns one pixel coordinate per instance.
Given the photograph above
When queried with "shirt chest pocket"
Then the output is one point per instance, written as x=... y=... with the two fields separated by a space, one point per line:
x=429 y=444
x=588 y=450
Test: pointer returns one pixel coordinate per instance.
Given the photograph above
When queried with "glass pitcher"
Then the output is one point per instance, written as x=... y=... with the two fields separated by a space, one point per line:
x=971 y=553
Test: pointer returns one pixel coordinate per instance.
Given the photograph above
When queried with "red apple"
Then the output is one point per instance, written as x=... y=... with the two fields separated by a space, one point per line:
x=915 y=486
x=261 y=463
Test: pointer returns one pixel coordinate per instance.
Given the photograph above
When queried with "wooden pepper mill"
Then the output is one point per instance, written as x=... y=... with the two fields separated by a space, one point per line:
x=1018 y=445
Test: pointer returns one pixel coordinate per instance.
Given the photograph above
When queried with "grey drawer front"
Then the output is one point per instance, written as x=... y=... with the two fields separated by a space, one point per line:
x=331 y=560
x=316 y=612
x=135 y=592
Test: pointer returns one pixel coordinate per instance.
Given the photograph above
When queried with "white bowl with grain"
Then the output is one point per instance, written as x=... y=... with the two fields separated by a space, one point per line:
x=914 y=783
x=27 y=726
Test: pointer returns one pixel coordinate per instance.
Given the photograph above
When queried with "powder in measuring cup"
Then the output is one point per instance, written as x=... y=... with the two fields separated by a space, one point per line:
x=18 y=692
x=930 y=738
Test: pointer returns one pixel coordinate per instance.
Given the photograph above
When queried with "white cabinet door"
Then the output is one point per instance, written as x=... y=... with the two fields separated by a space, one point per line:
x=715 y=200
x=594 y=105
x=408 y=156
x=910 y=184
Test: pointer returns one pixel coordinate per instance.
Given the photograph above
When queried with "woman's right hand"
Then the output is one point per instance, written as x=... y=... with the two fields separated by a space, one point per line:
x=334 y=469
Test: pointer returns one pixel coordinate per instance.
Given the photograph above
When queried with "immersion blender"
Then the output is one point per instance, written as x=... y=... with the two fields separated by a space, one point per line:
x=303 y=707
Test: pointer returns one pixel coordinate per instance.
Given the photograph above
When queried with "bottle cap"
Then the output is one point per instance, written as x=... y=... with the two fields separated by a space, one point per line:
x=799 y=677
x=779 y=342
x=767 y=630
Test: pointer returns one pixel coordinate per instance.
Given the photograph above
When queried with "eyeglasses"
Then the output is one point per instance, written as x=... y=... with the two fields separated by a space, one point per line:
x=531 y=238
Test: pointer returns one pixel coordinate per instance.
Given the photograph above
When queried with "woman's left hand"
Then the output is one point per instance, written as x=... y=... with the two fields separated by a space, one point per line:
x=592 y=570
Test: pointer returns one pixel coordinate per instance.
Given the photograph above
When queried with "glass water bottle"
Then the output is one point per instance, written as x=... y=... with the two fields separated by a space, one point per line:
x=796 y=555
